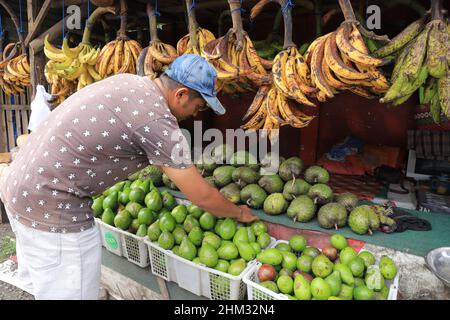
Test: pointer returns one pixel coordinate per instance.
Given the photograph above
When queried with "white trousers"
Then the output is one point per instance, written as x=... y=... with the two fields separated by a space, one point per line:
x=56 y=266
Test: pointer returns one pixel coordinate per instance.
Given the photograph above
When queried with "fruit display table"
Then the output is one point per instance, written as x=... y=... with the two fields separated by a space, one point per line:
x=414 y=242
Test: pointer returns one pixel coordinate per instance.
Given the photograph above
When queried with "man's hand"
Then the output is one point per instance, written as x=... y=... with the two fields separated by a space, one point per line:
x=246 y=215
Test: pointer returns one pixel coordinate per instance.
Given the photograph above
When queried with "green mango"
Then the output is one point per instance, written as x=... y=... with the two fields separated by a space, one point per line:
x=189 y=223
x=108 y=216
x=136 y=195
x=207 y=221
x=346 y=273
x=347 y=254
x=111 y=201
x=289 y=260
x=227 y=229
x=142 y=231
x=153 y=231
x=166 y=240
x=153 y=200
x=387 y=267
x=362 y=293
x=245 y=250
x=123 y=219
x=346 y=292
x=208 y=255
x=187 y=249
x=196 y=235
x=263 y=239
x=168 y=200
x=136 y=183
x=179 y=213
x=228 y=251
x=167 y=222
x=285 y=284
x=145 y=216
x=195 y=211
x=124 y=196
x=270 y=256
x=222 y=265
x=212 y=239
x=135 y=226
x=133 y=208
x=335 y=282
x=179 y=234
x=320 y=289
x=272 y=286
x=97 y=206
x=237 y=267
x=256 y=247
x=258 y=228
x=302 y=289
x=145 y=186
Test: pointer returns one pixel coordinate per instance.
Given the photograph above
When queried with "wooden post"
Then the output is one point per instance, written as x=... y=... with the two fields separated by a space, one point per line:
x=38 y=21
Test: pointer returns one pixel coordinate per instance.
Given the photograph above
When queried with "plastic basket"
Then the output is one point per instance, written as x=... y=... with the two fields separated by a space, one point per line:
x=134 y=249
x=124 y=244
x=196 y=278
x=111 y=238
x=258 y=292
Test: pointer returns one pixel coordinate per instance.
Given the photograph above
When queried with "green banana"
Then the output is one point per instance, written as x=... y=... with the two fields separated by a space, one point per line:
x=411 y=87
x=393 y=92
x=400 y=62
x=435 y=109
x=421 y=94
x=437 y=49
x=443 y=85
x=402 y=99
x=400 y=40
x=414 y=59
x=430 y=90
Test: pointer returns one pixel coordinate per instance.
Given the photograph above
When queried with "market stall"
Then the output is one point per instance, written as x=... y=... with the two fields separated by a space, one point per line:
x=361 y=118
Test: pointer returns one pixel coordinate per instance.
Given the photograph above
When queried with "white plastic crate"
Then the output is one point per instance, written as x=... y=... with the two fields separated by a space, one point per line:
x=196 y=278
x=124 y=244
x=258 y=292
x=111 y=238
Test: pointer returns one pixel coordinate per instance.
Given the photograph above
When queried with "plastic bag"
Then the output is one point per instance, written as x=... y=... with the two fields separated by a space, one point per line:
x=40 y=108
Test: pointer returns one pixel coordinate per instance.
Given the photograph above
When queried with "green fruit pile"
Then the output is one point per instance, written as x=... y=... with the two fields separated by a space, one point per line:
x=301 y=195
x=200 y=237
x=335 y=273
x=133 y=205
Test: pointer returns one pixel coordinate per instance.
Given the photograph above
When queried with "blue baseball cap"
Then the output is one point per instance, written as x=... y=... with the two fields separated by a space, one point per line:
x=197 y=74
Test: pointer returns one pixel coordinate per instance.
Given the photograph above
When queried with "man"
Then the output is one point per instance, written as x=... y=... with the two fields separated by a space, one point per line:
x=95 y=138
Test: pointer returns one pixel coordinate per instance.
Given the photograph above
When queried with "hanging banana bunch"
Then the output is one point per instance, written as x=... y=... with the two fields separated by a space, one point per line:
x=197 y=38
x=271 y=107
x=74 y=65
x=422 y=63
x=239 y=68
x=340 y=61
x=14 y=69
x=155 y=58
x=120 y=55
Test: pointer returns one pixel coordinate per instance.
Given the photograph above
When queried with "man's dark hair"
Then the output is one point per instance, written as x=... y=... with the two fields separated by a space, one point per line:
x=171 y=84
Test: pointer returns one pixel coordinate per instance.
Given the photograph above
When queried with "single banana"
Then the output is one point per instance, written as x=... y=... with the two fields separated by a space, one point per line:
x=317 y=76
x=416 y=54
x=400 y=40
x=444 y=95
x=437 y=49
x=344 y=45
